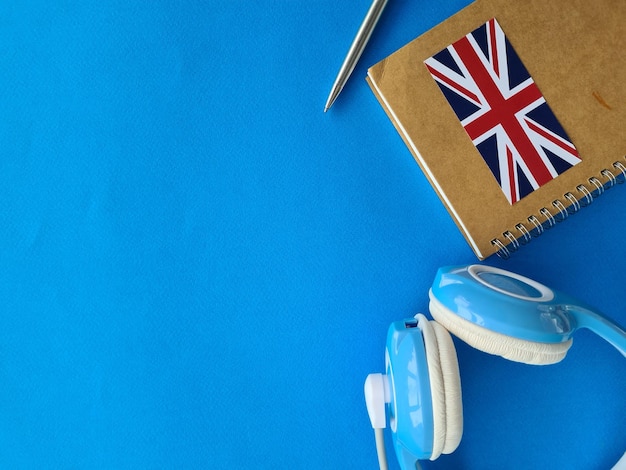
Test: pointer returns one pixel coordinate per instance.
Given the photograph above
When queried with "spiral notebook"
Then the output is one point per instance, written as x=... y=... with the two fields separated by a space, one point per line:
x=515 y=111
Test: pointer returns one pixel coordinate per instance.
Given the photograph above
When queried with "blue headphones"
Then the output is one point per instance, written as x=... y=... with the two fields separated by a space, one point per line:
x=491 y=309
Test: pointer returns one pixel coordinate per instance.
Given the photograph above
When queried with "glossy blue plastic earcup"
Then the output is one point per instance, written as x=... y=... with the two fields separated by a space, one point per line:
x=423 y=390
x=509 y=315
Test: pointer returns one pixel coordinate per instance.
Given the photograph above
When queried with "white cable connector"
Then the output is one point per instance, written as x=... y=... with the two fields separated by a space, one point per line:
x=376 y=396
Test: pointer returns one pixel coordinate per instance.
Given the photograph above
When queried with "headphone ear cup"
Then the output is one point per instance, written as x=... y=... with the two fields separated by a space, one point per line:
x=492 y=342
x=445 y=384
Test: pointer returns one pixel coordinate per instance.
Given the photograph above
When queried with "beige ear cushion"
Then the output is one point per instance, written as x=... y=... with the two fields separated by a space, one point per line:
x=452 y=388
x=436 y=384
x=445 y=385
x=514 y=349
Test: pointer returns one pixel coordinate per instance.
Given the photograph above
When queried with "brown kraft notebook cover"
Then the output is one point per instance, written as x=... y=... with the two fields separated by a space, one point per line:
x=515 y=112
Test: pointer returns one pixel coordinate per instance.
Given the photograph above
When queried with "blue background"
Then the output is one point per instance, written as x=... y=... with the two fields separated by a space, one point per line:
x=199 y=266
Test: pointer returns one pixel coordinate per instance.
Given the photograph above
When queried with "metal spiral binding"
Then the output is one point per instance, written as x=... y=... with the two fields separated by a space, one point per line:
x=561 y=209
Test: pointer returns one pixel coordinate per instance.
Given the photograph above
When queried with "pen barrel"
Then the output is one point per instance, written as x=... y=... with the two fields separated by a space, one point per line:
x=363 y=35
x=356 y=49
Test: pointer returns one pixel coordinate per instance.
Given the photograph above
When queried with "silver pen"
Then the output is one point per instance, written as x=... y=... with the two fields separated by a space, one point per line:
x=356 y=49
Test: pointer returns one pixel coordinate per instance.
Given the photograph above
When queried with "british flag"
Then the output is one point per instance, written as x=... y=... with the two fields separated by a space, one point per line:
x=503 y=111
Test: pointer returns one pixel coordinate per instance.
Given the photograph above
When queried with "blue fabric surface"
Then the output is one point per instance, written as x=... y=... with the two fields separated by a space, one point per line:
x=199 y=266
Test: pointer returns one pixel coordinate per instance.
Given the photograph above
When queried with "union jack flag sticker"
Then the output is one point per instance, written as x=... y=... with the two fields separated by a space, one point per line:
x=502 y=110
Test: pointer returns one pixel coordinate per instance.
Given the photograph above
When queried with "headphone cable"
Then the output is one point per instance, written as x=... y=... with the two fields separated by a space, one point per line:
x=380 y=448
